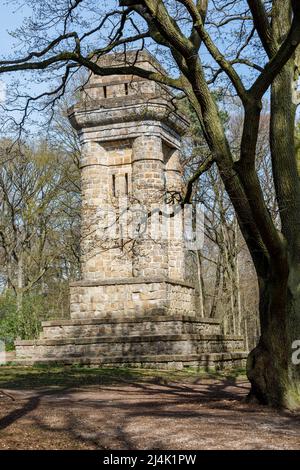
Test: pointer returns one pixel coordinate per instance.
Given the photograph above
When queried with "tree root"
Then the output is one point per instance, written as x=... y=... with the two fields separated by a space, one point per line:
x=7 y=395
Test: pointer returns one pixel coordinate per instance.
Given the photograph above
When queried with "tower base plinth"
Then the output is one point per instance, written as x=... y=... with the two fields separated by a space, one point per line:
x=136 y=324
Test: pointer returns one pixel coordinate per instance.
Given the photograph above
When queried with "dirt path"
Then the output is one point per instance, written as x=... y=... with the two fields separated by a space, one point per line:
x=206 y=415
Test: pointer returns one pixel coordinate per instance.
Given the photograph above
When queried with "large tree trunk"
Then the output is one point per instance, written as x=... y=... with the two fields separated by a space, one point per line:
x=274 y=379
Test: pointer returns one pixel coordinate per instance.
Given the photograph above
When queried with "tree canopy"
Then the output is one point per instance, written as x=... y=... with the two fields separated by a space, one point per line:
x=251 y=49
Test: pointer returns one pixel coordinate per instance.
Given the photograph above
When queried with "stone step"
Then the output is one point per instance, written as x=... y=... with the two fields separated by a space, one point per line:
x=160 y=361
x=93 y=327
x=106 y=346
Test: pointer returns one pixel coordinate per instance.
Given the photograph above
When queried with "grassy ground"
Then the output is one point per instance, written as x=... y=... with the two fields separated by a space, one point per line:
x=16 y=377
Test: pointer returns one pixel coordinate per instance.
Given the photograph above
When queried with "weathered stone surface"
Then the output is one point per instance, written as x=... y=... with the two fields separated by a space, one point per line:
x=133 y=346
x=133 y=305
x=205 y=361
x=120 y=325
x=131 y=298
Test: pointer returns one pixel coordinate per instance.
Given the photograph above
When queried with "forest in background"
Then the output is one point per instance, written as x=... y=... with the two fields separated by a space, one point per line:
x=40 y=231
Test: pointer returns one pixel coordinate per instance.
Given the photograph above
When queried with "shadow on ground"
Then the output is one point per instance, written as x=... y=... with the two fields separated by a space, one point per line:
x=121 y=409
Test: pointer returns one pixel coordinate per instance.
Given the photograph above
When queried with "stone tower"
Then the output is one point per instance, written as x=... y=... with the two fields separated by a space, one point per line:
x=133 y=304
x=130 y=135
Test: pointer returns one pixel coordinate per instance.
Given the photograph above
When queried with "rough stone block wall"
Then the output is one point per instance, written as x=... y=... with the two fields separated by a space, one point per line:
x=181 y=300
x=136 y=299
x=157 y=325
x=104 y=172
x=131 y=346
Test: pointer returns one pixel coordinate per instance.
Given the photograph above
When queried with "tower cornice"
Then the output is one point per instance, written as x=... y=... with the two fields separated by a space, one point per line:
x=116 y=111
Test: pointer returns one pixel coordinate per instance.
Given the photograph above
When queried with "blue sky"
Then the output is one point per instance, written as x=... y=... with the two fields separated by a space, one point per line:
x=10 y=18
x=12 y=15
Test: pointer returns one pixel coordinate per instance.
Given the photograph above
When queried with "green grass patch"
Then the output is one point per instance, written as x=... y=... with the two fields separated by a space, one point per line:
x=17 y=377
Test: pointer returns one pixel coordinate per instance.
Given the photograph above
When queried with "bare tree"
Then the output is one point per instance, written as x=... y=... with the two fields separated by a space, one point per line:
x=38 y=217
x=65 y=36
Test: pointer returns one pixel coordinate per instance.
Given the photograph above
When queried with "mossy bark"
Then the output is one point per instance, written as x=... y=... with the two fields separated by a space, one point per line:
x=274 y=379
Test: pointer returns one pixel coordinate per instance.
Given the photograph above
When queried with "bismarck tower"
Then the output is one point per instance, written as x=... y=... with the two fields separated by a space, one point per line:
x=133 y=305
